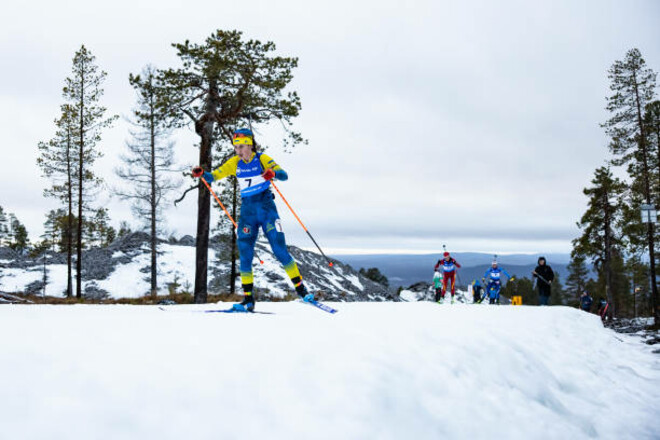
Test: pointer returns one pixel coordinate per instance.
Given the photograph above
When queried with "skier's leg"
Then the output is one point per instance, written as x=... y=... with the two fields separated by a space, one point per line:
x=445 y=278
x=272 y=228
x=247 y=237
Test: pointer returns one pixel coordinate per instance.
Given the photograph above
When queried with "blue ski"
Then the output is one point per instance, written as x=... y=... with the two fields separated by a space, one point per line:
x=216 y=311
x=237 y=311
x=321 y=306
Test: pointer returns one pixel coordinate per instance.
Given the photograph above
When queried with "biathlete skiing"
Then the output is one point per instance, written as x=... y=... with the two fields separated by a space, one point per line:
x=493 y=281
x=254 y=172
x=449 y=266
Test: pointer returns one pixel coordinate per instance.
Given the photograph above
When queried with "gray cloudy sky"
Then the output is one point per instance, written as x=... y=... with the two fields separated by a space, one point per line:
x=472 y=124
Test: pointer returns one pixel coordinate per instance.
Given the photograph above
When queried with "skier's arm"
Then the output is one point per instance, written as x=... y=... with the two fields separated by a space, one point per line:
x=226 y=169
x=269 y=164
x=457 y=265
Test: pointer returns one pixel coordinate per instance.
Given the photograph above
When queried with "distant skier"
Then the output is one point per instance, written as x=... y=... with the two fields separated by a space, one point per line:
x=437 y=284
x=544 y=276
x=493 y=281
x=449 y=266
x=585 y=301
x=254 y=171
x=476 y=291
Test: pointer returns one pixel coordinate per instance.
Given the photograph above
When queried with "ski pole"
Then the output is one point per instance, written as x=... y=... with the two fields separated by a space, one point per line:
x=542 y=279
x=301 y=223
x=217 y=199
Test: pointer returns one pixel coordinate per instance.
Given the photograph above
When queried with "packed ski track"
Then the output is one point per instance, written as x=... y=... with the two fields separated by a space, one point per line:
x=381 y=370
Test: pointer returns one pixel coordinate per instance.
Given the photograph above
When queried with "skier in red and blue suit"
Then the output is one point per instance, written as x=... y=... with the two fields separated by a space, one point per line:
x=449 y=266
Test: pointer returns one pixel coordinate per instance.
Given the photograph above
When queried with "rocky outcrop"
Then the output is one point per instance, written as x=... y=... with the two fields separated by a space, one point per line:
x=339 y=282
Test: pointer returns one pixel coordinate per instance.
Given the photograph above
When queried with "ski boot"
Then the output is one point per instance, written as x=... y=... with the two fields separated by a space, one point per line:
x=247 y=305
x=304 y=294
x=452 y=300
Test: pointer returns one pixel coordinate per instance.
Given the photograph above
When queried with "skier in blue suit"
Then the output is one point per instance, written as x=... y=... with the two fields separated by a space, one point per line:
x=494 y=283
x=254 y=172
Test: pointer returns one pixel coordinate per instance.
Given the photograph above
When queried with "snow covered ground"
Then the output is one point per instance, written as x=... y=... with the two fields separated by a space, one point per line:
x=372 y=371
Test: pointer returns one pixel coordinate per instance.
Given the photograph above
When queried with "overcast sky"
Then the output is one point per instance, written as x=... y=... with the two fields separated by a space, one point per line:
x=473 y=124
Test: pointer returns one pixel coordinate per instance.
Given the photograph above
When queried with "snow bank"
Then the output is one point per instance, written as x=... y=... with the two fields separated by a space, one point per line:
x=372 y=371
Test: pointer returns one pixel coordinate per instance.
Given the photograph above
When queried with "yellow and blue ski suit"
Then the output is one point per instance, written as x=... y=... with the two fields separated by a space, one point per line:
x=258 y=210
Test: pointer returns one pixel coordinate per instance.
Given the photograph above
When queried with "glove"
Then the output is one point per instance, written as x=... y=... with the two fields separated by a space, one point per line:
x=281 y=175
x=197 y=172
x=208 y=177
x=512 y=279
x=268 y=174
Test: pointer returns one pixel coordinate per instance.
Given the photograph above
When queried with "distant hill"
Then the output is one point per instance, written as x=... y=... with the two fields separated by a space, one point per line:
x=408 y=269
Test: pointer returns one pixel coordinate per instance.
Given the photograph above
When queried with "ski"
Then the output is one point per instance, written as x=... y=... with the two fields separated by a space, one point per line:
x=216 y=311
x=321 y=306
x=237 y=311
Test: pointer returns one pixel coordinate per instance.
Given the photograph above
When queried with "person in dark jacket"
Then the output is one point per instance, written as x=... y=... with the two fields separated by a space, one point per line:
x=544 y=276
x=585 y=301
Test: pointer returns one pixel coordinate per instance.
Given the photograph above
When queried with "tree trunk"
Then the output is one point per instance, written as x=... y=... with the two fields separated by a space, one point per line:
x=232 y=280
x=203 y=220
x=69 y=224
x=608 y=253
x=81 y=154
x=647 y=189
x=152 y=164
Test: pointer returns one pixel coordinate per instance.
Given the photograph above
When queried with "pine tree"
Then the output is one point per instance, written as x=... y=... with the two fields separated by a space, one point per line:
x=18 y=235
x=523 y=287
x=98 y=231
x=124 y=229
x=226 y=82
x=577 y=278
x=53 y=233
x=150 y=157
x=557 y=294
x=57 y=162
x=83 y=91
x=633 y=88
x=601 y=236
x=4 y=226
x=640 y=290
x=375 y=275
x=652 y=124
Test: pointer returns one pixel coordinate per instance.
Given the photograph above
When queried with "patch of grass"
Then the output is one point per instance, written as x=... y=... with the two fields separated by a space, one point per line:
x=178 y=298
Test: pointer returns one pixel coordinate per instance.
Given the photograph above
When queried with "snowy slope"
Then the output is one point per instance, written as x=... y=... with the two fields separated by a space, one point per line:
x=374 y=370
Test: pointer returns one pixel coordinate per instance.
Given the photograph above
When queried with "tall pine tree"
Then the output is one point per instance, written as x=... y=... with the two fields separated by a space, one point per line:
x=577 y=278
x=83 y=91
x=57 y=162
x=600 y=225
x=632 y=84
